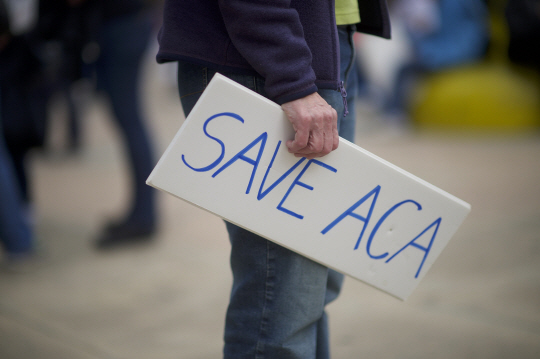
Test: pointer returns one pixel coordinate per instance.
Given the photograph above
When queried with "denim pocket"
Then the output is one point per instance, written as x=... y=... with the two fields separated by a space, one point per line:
x=193 y=79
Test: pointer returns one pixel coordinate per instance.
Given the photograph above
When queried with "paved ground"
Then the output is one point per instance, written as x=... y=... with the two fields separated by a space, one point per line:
x=481 y=299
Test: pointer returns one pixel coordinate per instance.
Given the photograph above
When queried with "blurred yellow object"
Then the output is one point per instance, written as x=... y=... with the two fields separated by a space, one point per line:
x=487 y=96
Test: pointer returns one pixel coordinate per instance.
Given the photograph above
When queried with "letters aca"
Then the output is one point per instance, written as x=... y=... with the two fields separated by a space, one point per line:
x=369 y=200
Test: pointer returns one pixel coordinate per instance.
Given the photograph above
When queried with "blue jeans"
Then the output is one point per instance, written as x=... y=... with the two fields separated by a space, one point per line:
x=15 y=231
x=278 y=297
x=124 y=41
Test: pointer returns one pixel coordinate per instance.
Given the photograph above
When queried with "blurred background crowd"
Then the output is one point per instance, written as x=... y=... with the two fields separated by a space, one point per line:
x=468 y=64
x=73 y=49
x=453 y=66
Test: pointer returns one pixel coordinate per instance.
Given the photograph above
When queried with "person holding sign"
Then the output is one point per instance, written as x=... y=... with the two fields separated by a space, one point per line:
x=287 y=51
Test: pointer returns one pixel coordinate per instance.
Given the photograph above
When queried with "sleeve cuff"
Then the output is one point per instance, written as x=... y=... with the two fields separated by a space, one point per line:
x=295 y=96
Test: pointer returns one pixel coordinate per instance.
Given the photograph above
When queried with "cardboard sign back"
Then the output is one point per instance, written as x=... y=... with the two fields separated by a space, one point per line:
x=350 y=210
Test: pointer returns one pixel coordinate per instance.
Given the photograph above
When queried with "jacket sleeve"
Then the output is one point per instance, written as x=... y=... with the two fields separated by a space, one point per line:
x=269 y=35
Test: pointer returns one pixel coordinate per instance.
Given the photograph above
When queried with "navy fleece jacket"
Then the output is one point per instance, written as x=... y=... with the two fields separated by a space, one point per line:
x=291 y=43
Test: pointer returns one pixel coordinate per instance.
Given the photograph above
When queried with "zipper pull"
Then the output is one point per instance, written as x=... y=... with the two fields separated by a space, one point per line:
x=344 y=96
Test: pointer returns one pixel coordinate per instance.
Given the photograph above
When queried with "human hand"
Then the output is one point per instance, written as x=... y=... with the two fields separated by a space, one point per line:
x=315 y=124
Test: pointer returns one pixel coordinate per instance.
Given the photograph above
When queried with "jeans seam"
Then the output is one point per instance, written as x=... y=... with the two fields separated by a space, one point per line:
x=267 y=298
x=191 y=94
x=204 y=81
x=352 y=57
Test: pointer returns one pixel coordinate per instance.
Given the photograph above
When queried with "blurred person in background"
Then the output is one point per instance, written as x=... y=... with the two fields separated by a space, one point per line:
x=109 y=38
x=123 y=38
x=443 y=34
x=23 y=96
x=523 y=17
x=59 y=36
x=16 y=232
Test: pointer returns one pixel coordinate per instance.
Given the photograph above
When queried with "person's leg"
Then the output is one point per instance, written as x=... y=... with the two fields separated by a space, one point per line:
x=19 y=164
x=346 y=128
x=278 y=296
x=123 y=46
x=277 y=300
x=333 y=288
x=405 y=81
x=15 y=231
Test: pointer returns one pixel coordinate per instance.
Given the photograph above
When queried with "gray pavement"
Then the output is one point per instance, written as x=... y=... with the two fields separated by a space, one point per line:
x=167 y=299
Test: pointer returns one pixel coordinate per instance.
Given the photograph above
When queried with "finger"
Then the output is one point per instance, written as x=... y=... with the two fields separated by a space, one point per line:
x=328 y=144
x=301 y=139
x=333 y=134
x=315 y=144
x=321 y=140
x=335 y=139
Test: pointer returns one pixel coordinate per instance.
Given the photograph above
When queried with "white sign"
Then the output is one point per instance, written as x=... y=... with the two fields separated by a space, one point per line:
x=350 y=210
